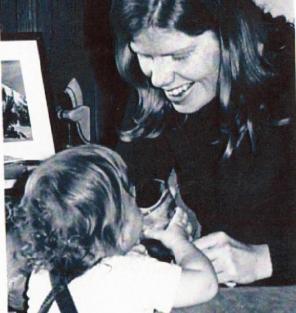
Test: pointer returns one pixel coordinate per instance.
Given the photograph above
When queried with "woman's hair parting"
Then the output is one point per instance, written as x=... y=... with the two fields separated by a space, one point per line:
x=241 y=28
x=73 y=209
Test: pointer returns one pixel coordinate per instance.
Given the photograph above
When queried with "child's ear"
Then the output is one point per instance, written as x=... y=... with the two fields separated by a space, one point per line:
x=123 y=242
x=121 y=239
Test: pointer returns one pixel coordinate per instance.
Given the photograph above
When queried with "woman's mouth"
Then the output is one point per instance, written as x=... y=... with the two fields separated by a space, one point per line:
x=179 y=93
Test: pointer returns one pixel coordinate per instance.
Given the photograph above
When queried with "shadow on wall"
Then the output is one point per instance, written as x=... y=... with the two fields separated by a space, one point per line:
x=114 y=92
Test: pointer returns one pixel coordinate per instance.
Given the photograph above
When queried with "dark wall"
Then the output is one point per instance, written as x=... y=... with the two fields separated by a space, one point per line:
x=77 y=43
x=99 y=41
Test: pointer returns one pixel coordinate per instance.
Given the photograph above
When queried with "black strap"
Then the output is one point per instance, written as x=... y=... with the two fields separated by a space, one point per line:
x=59 y=293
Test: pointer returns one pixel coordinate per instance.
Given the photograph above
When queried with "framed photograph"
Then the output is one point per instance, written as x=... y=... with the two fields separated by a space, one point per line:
x=27 y=131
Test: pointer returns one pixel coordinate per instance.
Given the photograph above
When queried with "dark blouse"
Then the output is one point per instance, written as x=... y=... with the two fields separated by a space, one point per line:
x=252 y=195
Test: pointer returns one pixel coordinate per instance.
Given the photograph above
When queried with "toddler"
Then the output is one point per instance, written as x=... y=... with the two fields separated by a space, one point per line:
x=81 y=227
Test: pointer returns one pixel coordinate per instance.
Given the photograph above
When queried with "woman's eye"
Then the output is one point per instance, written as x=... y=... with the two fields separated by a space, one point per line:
x=180 y=57
x=145 y=56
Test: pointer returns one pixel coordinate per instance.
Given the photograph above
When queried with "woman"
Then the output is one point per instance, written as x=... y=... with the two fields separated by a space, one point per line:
x=215 y=93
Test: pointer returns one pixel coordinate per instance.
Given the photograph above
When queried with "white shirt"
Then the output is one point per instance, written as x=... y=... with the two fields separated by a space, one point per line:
x=125 y=284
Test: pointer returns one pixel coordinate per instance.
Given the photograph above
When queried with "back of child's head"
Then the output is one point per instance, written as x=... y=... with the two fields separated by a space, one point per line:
x=72 y=209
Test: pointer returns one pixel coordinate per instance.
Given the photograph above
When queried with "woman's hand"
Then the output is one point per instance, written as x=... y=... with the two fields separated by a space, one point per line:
x=234 y=261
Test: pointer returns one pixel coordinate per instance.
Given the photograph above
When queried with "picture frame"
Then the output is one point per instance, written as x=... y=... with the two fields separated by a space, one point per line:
x=27 y=133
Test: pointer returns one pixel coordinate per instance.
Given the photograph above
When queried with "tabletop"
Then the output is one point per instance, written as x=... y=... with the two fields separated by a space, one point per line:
x=249 y=300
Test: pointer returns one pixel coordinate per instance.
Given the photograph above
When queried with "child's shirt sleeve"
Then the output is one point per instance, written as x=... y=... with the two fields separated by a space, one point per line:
x=152 y=284
x=126 y=284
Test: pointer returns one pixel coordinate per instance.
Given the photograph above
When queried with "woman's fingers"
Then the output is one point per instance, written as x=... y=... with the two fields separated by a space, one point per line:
x=213 y=253
x=235 y=261
x=211 y=240
x=222 y=263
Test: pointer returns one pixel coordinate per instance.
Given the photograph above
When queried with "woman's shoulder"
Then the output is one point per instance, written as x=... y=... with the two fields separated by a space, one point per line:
x=279 y=52
x=279 y=49
x=280 y=37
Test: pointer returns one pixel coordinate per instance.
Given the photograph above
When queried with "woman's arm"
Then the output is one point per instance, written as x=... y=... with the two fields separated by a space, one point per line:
x=273 y=257
x=198 y=282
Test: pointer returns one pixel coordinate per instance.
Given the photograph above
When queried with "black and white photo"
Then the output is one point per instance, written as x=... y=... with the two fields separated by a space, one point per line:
x=149 y=156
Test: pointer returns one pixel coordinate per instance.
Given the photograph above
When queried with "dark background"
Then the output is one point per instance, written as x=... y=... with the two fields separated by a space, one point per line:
x=76 y=41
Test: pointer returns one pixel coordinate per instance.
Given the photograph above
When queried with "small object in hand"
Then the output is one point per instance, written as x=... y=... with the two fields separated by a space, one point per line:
x=156 y=216
x=157 y=250
x=160 y=213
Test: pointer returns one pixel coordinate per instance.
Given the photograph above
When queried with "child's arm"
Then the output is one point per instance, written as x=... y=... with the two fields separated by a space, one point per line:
x=198 y=280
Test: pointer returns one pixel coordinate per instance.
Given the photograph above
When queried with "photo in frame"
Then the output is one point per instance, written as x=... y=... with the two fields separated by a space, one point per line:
x=27 y=131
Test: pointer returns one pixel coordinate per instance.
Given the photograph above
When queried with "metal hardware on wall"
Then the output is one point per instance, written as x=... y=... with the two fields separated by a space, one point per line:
x=79 y=114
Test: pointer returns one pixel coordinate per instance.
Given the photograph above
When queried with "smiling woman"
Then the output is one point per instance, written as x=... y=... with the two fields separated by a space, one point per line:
x=215 y=88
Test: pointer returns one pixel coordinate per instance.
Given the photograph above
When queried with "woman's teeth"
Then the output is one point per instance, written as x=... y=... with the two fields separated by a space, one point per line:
x=178 y=92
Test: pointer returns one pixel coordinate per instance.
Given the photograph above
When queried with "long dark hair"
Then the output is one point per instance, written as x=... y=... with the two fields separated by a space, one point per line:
x=245 y=69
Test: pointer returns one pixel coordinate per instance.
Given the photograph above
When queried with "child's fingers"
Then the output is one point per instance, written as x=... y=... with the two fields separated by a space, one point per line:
x=180 y=218
x=153 y=233
x=138 y=250
x=185 y=218
x=189 y=229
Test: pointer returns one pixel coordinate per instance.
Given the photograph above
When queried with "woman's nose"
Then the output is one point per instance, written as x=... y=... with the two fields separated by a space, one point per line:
x=162 y=74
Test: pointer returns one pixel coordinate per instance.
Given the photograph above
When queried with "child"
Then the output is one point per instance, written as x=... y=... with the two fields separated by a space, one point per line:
x=78 y=217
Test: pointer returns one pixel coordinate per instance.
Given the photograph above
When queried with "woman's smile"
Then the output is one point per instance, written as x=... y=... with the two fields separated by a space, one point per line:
x=178 y=93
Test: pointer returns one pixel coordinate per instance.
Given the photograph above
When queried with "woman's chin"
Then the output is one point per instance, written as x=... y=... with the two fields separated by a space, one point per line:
x=189 y=108
x=197 y=99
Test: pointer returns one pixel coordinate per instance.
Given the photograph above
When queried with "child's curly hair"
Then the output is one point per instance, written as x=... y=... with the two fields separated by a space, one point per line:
x=73 y=209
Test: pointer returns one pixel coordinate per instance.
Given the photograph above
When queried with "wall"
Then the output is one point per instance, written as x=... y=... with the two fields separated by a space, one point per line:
x=99 y=41
x=62 y=25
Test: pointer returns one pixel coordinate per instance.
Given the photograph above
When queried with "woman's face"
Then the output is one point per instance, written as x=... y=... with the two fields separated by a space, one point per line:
x=185 y=67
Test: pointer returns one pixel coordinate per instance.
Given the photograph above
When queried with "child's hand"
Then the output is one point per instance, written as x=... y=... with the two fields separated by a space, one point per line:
x=186 y=224
x=175 y=232
x=138 y=250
